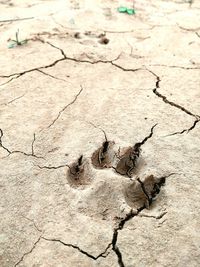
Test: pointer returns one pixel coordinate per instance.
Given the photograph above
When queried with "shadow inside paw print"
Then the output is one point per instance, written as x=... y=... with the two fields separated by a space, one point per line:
x=78 y=173
x=128 y=160
x=142 y=193
x=104 y=156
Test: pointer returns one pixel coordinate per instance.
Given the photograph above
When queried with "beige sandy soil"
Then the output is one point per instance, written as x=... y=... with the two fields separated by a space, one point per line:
x=89 y=81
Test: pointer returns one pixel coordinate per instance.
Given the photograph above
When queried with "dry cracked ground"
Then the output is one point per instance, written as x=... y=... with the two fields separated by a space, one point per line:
x=100 y=134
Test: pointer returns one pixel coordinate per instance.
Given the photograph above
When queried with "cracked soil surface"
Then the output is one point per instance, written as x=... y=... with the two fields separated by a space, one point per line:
x=100 y=134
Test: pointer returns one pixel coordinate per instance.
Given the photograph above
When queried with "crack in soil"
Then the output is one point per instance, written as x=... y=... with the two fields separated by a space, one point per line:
x=188 y=29
x=133 y=214
x=13 y=100
x=52 y=76
x=1 y=144
x=130 y=160
x=52 y=167
x=121 y=224
x=164 y=98
x=112 y=62
x=175 y=66
x=103 y=254
x=171 y=103
x=29 y=252
x=186 y=130
x=65 y=107
x=32 y=154
x=58 y=48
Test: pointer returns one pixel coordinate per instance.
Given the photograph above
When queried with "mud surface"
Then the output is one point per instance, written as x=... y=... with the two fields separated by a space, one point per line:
x=76 y=99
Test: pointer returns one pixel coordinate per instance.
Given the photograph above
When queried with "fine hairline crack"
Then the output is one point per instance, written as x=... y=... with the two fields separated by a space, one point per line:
x=65 y=107
x=13 y=100
x=29 y=252
x=103 y=254
x=32 y=154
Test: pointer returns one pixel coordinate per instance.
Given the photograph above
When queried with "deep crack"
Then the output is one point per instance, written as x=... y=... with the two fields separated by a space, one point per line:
x=155 y=191
x=121 y=224
x=164 y=98
x=19 y=74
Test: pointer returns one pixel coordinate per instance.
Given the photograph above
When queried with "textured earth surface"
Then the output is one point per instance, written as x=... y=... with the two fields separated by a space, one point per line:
x=89 y=84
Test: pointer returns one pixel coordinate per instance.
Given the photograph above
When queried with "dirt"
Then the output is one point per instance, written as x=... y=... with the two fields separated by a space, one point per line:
x=86 y=86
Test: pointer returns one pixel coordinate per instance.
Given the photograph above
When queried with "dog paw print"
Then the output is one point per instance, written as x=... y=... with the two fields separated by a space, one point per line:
x=89 y=36
x=118 y=194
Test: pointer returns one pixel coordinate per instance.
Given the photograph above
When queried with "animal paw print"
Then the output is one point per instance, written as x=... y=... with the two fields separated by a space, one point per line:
x=88 y=35
x=137 y=193
x=75 y=4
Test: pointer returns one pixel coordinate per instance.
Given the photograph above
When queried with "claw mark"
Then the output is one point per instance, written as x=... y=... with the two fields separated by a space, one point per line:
x=79 y=164
x=103 y=157
x=63 y=109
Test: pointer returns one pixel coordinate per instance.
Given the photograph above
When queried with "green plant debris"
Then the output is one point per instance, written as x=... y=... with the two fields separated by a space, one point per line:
x=129 y=11
x=16 y=42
